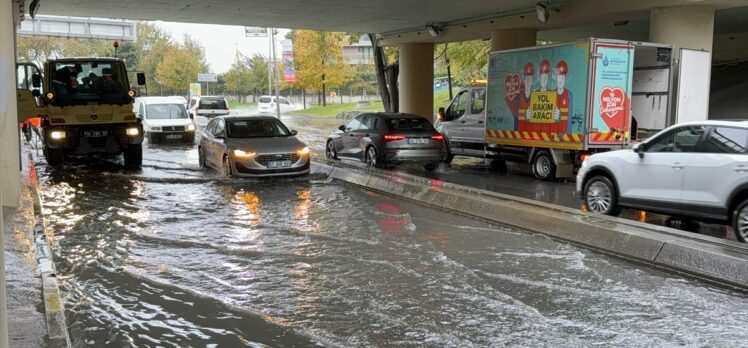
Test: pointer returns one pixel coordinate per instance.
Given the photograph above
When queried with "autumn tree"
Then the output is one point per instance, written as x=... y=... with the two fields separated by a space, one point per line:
x=177 y=70
x=468 y=59
x=318 y=59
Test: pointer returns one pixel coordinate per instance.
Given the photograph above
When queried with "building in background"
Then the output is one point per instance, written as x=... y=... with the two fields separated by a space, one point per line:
x=359 y=53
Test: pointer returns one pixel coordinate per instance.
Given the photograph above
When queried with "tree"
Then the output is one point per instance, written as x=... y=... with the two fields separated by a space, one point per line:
x=469 y=59
x=318 y=58
x=177 y=70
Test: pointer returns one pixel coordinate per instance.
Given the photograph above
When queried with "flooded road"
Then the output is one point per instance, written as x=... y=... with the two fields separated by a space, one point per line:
x=174 y=256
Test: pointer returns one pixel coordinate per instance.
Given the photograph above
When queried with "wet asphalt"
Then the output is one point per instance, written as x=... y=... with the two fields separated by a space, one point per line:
x=175 y=256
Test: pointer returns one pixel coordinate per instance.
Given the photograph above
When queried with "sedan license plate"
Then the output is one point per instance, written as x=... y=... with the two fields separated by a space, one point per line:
x=174 y=136
x=94 y=134
x=418 y=141
x=279 y=164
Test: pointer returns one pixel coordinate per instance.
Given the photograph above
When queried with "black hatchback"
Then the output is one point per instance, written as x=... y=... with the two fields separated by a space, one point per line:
x=382 y=139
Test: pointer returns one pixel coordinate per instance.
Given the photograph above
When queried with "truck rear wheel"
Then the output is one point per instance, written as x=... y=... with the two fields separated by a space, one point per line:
x=543 y=166
x=53 y=156
x=133 y=155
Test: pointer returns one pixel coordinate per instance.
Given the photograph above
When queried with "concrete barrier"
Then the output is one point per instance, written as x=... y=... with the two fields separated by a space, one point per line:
x=707 y=258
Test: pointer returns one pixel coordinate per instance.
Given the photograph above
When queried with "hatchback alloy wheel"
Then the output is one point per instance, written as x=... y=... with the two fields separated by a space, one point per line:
x=330 y=151
x=371 y=157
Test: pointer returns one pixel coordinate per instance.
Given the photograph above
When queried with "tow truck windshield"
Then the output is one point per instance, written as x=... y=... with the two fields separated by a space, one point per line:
x=89 y=82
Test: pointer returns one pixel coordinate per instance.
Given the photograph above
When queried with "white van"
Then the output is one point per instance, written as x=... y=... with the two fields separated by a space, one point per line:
x=165 y=119
x=266 y=105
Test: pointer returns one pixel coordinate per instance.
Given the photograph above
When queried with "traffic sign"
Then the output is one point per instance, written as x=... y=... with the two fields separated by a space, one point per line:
x=207 y=77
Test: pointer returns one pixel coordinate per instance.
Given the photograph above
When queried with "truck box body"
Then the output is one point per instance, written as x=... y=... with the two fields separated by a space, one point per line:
x=572 y=96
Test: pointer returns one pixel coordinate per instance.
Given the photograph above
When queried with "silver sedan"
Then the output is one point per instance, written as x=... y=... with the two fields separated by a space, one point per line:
x=252 y=146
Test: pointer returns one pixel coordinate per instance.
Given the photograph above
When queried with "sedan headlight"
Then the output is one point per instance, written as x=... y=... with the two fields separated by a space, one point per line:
x=132 y=131
x=190 y=127
x=303 y=152
x=244 y=154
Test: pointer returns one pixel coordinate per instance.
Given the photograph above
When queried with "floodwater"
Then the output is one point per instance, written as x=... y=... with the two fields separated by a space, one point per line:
x=174 y=256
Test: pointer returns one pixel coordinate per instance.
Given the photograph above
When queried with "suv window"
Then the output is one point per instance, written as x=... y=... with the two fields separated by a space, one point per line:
x=370 y=122
x=479 y=101
x=265 y=100
x=727 y=140
x=683 y=139
x=354 y=124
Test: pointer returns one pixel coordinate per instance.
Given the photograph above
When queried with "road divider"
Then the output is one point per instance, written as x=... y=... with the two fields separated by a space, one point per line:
x=706 y=258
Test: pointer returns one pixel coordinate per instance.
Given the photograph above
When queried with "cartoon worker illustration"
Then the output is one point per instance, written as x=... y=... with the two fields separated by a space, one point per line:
x=545 y=72
x=563 y=100
x=524 y=98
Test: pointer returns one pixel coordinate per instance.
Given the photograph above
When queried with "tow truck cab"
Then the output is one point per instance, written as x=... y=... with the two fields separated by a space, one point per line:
x=85 y=106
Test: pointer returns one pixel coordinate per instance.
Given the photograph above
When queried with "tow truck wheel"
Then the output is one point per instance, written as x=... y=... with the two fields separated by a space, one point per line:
x=53 y=156
x=543 y=167
x=449 y=156
x=133 y=155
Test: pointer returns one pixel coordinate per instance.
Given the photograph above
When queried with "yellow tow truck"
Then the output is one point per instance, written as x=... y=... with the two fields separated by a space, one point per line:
x=83 y=106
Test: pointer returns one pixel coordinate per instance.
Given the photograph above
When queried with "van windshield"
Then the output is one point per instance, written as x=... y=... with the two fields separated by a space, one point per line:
x=165 y=111
x=86 y=82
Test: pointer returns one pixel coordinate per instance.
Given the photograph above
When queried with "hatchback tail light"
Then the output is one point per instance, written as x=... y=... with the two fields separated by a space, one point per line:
x=392 y=137
x=437 y=137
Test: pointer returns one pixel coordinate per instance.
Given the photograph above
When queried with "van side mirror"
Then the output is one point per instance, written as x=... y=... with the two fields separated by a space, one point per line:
x=639 y=149
x=141 y=78
x=36 y=80
x=341 y=128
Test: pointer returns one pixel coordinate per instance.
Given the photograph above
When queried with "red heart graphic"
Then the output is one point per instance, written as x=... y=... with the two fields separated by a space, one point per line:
x=613 y=107
x=512 y=89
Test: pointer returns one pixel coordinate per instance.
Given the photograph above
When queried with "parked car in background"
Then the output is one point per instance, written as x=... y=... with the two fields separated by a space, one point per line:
x=695 y=170
x=203 y=108
x=164 y=119
x=248 y=146
x=381 y=139
x=267 y=105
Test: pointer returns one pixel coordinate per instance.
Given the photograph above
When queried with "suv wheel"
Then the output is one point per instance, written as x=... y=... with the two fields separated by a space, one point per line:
x=600 y=196
x=740 y=222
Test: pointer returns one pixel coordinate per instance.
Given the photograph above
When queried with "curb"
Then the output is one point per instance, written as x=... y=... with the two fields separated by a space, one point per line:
x=706 y=258
x=54 y=309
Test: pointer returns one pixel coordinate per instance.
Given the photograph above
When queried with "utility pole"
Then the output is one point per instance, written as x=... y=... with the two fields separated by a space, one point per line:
x=270 y=54
x=275 y=75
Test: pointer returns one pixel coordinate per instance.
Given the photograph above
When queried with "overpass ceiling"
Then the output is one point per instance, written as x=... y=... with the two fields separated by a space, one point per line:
x=370 y=16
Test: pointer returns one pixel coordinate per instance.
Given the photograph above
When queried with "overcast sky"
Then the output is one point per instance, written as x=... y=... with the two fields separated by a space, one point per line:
x=222 y=41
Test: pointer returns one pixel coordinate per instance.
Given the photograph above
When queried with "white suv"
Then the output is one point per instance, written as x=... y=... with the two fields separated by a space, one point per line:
x=266 y=105
x=697 y=170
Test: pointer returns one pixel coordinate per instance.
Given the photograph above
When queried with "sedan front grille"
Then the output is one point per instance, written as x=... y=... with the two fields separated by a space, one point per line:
x=265 y=159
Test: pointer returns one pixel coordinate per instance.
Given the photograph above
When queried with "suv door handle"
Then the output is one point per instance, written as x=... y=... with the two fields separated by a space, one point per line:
x=677 y=166
x=741 y=169
x=463 y=121
x=480 y=122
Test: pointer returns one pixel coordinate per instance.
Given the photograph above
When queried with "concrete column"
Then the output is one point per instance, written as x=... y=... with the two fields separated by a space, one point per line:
x=10 y=178
x=417 y=79
x=514 y=38
x=682 y=27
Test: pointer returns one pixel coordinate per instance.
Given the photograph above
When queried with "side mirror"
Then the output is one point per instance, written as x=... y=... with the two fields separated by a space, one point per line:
x=639 y=148
x=294 y=132
x=141 y=78
x=36 y=80
x=341 y=128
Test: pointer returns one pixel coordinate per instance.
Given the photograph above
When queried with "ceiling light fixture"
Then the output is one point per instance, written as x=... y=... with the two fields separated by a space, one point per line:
x=433 y=30
x=543 y=11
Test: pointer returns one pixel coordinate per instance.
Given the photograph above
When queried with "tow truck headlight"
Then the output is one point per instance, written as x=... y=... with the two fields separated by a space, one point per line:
x=303 y=152
x=191 y=127
x=57 y=135
x=244 y=154
x=132 y=131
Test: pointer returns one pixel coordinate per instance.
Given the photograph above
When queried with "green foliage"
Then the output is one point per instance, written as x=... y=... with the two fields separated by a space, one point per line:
x=469 y=60
x=319 y=54
x=247 y=76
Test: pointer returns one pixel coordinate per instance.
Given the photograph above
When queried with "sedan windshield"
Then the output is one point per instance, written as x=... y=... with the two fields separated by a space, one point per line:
x=165 y=111
x=262 y=128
